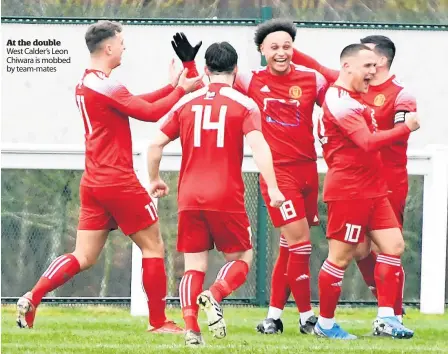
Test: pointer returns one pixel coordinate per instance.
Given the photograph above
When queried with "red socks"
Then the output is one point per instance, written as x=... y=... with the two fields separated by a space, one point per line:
x=398 y=307
x=280 y=290
x=231 y=276
x=154 y=283
x=330 y=283
x=60 y=271
x=387 y=278
x=298 y=274
x=367 y=268
x=189 y=289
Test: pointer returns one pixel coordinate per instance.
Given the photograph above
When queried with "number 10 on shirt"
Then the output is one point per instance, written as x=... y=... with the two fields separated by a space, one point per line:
x=202 y=121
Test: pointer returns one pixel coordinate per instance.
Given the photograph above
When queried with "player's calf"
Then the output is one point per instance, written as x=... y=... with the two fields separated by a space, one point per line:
x=298 y=271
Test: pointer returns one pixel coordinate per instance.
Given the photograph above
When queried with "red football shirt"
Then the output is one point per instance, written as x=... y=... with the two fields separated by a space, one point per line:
x=388 y=100
x=350 y=149
x=287 y=104
x=211 y=124
x=105 y=106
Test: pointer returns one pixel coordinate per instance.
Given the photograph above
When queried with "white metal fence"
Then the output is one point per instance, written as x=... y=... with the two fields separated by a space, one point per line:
x=431 y=162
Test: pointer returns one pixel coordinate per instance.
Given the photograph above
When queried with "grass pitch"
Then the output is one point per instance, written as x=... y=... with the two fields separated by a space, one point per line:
x=98 y=329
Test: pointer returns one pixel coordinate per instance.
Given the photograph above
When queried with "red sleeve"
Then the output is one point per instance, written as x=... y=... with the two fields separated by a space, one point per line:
x=404 y=102
x=157 y=95
x=354 y=126
x=171 y=127
x=242 y=82
x=136 y=107
x=193 y=72
x=322 y=87
x=305 y=60
x=252 y=120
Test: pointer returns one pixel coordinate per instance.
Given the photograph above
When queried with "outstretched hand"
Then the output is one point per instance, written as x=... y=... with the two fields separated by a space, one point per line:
x=184 y=50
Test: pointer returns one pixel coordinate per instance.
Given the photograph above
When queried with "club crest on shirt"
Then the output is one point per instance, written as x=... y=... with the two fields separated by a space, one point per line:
x=295 y=92
x=379 y=100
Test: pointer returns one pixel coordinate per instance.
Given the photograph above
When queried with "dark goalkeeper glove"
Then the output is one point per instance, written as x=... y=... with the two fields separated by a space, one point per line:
x=183 y=48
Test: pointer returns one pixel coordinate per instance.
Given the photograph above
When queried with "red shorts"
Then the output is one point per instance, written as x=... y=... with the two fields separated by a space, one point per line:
x=200 y=230
x=106 y=208
x=349 y=220
x=299 y=183
x=397 y=200
x=398 y=185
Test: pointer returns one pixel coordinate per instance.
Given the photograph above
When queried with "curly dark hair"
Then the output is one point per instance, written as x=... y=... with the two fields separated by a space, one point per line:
x=275 y=25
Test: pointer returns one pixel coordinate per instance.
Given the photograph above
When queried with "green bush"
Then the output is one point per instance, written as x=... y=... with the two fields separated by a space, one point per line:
x=391 y=11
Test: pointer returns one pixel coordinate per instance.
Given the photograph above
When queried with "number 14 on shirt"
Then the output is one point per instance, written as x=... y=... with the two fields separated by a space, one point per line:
x=202 y=121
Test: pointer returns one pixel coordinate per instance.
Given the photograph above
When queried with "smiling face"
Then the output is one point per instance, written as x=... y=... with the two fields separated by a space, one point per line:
x=277 y=47
x=361 y=68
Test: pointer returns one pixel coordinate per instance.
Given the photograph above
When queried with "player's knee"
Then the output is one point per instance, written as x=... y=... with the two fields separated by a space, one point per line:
x=296 y=232
x=361 y=252
x=155 y=244
x=151 y=245
x=247 y=257
x=196 y=261
x=341 y=262
x=85 y=261
x=397 y=247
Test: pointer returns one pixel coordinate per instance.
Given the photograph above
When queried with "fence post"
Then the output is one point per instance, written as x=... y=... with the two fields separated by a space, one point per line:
x=262 y=254
x=261 y=249
x=434 y=235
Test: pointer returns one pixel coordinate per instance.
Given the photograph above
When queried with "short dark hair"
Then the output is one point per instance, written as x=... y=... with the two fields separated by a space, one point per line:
x=383 y=45
x=221 y=57
x=275 y=25
x=353 y=49
x=100 y=31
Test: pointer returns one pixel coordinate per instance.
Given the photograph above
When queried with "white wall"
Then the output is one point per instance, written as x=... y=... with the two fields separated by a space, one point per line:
x=40 y=107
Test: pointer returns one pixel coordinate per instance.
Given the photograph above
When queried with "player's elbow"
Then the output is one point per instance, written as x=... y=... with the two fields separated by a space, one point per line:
x=154 y=150
x=256 y=141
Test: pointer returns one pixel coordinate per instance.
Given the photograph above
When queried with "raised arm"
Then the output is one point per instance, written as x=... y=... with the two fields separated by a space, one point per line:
x=187 y=53
x=134 y=106
x=158 y=94
x=405 y=102
x=355 y=128
x=300 y=58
